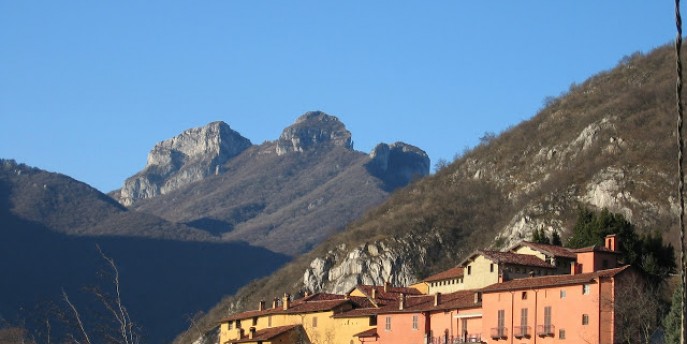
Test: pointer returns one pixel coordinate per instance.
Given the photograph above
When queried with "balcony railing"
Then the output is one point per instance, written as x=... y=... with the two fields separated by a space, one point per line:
x=499 y=333
x=469 y=338
x=546 y=330
x=522 y=332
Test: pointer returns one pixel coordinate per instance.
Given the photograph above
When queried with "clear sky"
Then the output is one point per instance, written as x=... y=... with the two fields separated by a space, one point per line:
x=88 y=87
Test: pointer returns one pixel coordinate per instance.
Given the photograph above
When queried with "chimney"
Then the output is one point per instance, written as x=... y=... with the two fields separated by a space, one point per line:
x=386 y=286
x=306 y=294
x=374 y=292
x=261 y=305
x=275 y=302
x=251 y=334
x=611 y=242
x=575 y=268
x=501 y=278
x=286 y=301
x=239 y=333
x=478 y=297
x=402 y=302
x=531 y=273
x=437 y=299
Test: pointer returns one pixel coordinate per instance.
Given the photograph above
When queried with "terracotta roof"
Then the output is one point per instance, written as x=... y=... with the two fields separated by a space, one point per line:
x=367 y=334
x=515 y=259
x=420 y=303
x=444 y=275
x=392 y=293
x=595 y=248
x=266 y=334
x=552 y=281
x=309 y=304
x=551 y=250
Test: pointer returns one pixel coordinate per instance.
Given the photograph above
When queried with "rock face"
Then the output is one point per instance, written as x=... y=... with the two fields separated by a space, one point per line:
x=311 y=130
x=191 y=156
x=398 y=164
x=372 y=263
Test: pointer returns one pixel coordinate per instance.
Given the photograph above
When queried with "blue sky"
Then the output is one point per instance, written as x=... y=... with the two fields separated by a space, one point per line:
x=88 y=87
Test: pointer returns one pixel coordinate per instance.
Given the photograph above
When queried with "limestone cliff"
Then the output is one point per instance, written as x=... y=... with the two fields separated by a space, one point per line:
x=191 y=156
x=312 y=130
x=398 y=163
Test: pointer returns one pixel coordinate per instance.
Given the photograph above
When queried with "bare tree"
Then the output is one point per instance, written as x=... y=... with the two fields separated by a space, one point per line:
x=126 y=331
x=636 y=307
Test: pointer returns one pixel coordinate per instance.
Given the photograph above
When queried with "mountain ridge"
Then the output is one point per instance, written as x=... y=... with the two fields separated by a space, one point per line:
x=605 y=143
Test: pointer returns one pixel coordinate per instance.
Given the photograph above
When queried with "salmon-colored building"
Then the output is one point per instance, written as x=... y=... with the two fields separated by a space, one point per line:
x=529 y=294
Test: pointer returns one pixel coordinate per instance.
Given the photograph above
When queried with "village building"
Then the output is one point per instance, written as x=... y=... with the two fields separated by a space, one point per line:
x=529 y=293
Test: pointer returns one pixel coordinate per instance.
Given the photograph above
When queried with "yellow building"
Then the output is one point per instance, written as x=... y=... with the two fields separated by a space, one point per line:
x=306 y=320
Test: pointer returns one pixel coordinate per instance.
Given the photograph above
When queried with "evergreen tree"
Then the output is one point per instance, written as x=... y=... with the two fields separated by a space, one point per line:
x=556 y=238
x=648 y=253
x=671 y=323
x=539 y=236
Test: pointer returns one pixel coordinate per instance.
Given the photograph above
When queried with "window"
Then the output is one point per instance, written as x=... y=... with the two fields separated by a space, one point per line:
x=523 y=317
x=561 y=334
x=524 y=295
x=585 y=319
x=255 y=321
x=415 y=322
x=585 y=289
x=501 y=331
x=387 y=325
x=562 y=294
x=547 y=318
x=373 y=320
x=238 y=323
x=269 y=321
x=469 y=269
x=314 y=321
x=491 y=267
x=230 y=325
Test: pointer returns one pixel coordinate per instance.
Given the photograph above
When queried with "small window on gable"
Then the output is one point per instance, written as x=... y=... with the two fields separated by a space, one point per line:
x=469 y=269
x=230 y=325
x=255 y=321
x=585 y=289
x=562 y=294
x=524 y=295
x=491 y=267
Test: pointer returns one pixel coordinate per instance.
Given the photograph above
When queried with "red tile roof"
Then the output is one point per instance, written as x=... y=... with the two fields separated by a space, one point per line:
x=515 y=259
x=310 y=304
x=266 y=334
x=551 y=250
x=420 y=303
x=552 y=281
x=595 y=248
x=392 y=293
x=451 y=273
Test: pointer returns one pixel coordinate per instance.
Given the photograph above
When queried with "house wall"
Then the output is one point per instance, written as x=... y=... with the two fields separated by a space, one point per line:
x=402 y=328
x=566 y=314
x=481 y=275
x=347 y=327
x=446 y=286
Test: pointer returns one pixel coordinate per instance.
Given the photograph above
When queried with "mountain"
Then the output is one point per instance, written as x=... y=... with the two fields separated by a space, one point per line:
x=286 y=195
x=606 y=143
x=168 y=271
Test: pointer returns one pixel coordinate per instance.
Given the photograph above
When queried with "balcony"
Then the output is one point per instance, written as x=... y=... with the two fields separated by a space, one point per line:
x=469 y=338
x=546 y=330
x=522 y=332
x=499 y=333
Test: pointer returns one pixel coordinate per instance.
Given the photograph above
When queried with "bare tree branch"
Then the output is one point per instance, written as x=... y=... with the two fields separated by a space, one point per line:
x=77 y=316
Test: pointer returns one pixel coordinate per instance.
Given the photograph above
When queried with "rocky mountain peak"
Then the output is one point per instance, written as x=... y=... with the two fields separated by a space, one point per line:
x=314 y=129
x=192 y=155
x=398 y=163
